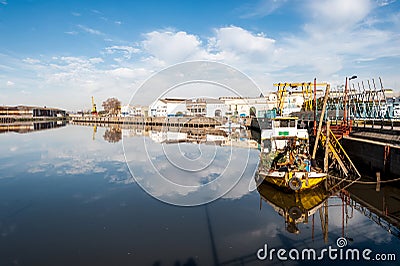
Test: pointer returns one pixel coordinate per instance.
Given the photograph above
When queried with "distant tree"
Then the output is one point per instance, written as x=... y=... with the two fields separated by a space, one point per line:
x=112 y=106
x=102 y=113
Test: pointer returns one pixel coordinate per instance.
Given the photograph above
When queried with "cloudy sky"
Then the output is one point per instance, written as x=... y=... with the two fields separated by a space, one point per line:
x=60 y=53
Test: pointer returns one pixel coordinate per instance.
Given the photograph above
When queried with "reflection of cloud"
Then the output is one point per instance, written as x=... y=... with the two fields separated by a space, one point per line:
x=6 y=230
x=121 y=179
x=81 y=167
x=66 y=152
x=357 y=224
x=271 y=229
x=178 y=179
x=14 y=148
x=38 y=169
x=93 y=199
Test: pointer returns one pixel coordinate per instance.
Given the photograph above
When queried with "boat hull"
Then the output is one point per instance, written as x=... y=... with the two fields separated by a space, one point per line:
x=296 y=181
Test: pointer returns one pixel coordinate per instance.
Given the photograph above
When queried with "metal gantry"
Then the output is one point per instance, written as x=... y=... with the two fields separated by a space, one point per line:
x=307 y=90
x=362 y=101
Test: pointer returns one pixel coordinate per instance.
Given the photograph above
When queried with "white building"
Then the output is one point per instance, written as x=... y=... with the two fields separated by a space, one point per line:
x=207 y=107
x=250 y=106
x=168 y=107
x=129 y=110
x=292 y=103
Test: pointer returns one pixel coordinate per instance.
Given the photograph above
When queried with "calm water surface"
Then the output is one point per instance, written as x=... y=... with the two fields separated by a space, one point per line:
x=67 y=197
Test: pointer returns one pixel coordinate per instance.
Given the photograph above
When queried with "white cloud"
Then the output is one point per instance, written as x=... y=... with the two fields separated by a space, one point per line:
x=126 y=51
x=248 y=51
x=96 y=11
x=172 y=47
x=337 y=14
x=72 y=59
x=90 y=30
x=238 y=39
x=242 y=44
x=76 y=14
x=385 y=2
x=334 y=37
x=261 y=8
x=10 y=83
x=71 y=32
x=96 y=60
x=118 y=22
x=68 y=81
x=124 y=72
x=31 y=60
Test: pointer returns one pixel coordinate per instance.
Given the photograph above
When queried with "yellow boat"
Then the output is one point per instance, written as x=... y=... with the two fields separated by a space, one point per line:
x=296 y=181
x=284 y=157
x=294 y=207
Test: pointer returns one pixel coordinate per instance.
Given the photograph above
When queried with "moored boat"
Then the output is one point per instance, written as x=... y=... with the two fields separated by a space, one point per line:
x=284 y=157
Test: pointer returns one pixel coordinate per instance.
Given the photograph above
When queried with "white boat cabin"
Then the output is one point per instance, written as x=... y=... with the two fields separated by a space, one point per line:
x=282 y=130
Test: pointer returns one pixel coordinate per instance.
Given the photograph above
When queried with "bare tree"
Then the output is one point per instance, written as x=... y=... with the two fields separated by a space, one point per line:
x=112 y=106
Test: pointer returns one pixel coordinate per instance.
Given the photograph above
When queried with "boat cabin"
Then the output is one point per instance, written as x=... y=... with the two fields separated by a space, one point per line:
x=283 y=129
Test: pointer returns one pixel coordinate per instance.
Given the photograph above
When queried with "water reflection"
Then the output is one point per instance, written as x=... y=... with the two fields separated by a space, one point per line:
x=295 y=208
x=382 y=207
x=345 y=206
x=30 y=126
x=113 y=134
x=66 y=199
x=170 y=135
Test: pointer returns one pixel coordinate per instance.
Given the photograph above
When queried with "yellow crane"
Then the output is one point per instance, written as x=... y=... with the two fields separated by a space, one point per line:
x=307 y=89
x=94 y=109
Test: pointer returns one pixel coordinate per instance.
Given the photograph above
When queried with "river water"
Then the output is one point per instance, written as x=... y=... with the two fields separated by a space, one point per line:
x=81 y=195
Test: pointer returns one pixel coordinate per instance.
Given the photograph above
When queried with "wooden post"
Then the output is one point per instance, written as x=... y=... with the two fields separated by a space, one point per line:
x=326 y=158
x=326 y=163
x=315 y=107
x=321 y=120
x=378 y=181
x=326 y=231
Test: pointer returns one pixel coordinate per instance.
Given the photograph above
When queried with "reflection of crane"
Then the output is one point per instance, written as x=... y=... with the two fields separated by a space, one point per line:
x=94 y=109
x=94 y=132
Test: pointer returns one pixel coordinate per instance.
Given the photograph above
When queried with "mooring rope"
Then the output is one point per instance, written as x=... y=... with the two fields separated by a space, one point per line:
x=364 y=182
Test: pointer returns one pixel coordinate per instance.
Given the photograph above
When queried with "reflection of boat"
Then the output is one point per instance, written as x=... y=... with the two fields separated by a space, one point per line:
x=284 y=158
x=230 y=127
x=294 y=207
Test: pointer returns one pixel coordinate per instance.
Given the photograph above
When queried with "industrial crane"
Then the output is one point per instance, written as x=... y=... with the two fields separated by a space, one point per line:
x=307 y=90
x=94 y=109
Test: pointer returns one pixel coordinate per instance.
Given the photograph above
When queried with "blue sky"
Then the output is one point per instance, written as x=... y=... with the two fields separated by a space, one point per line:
x=60 y=53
